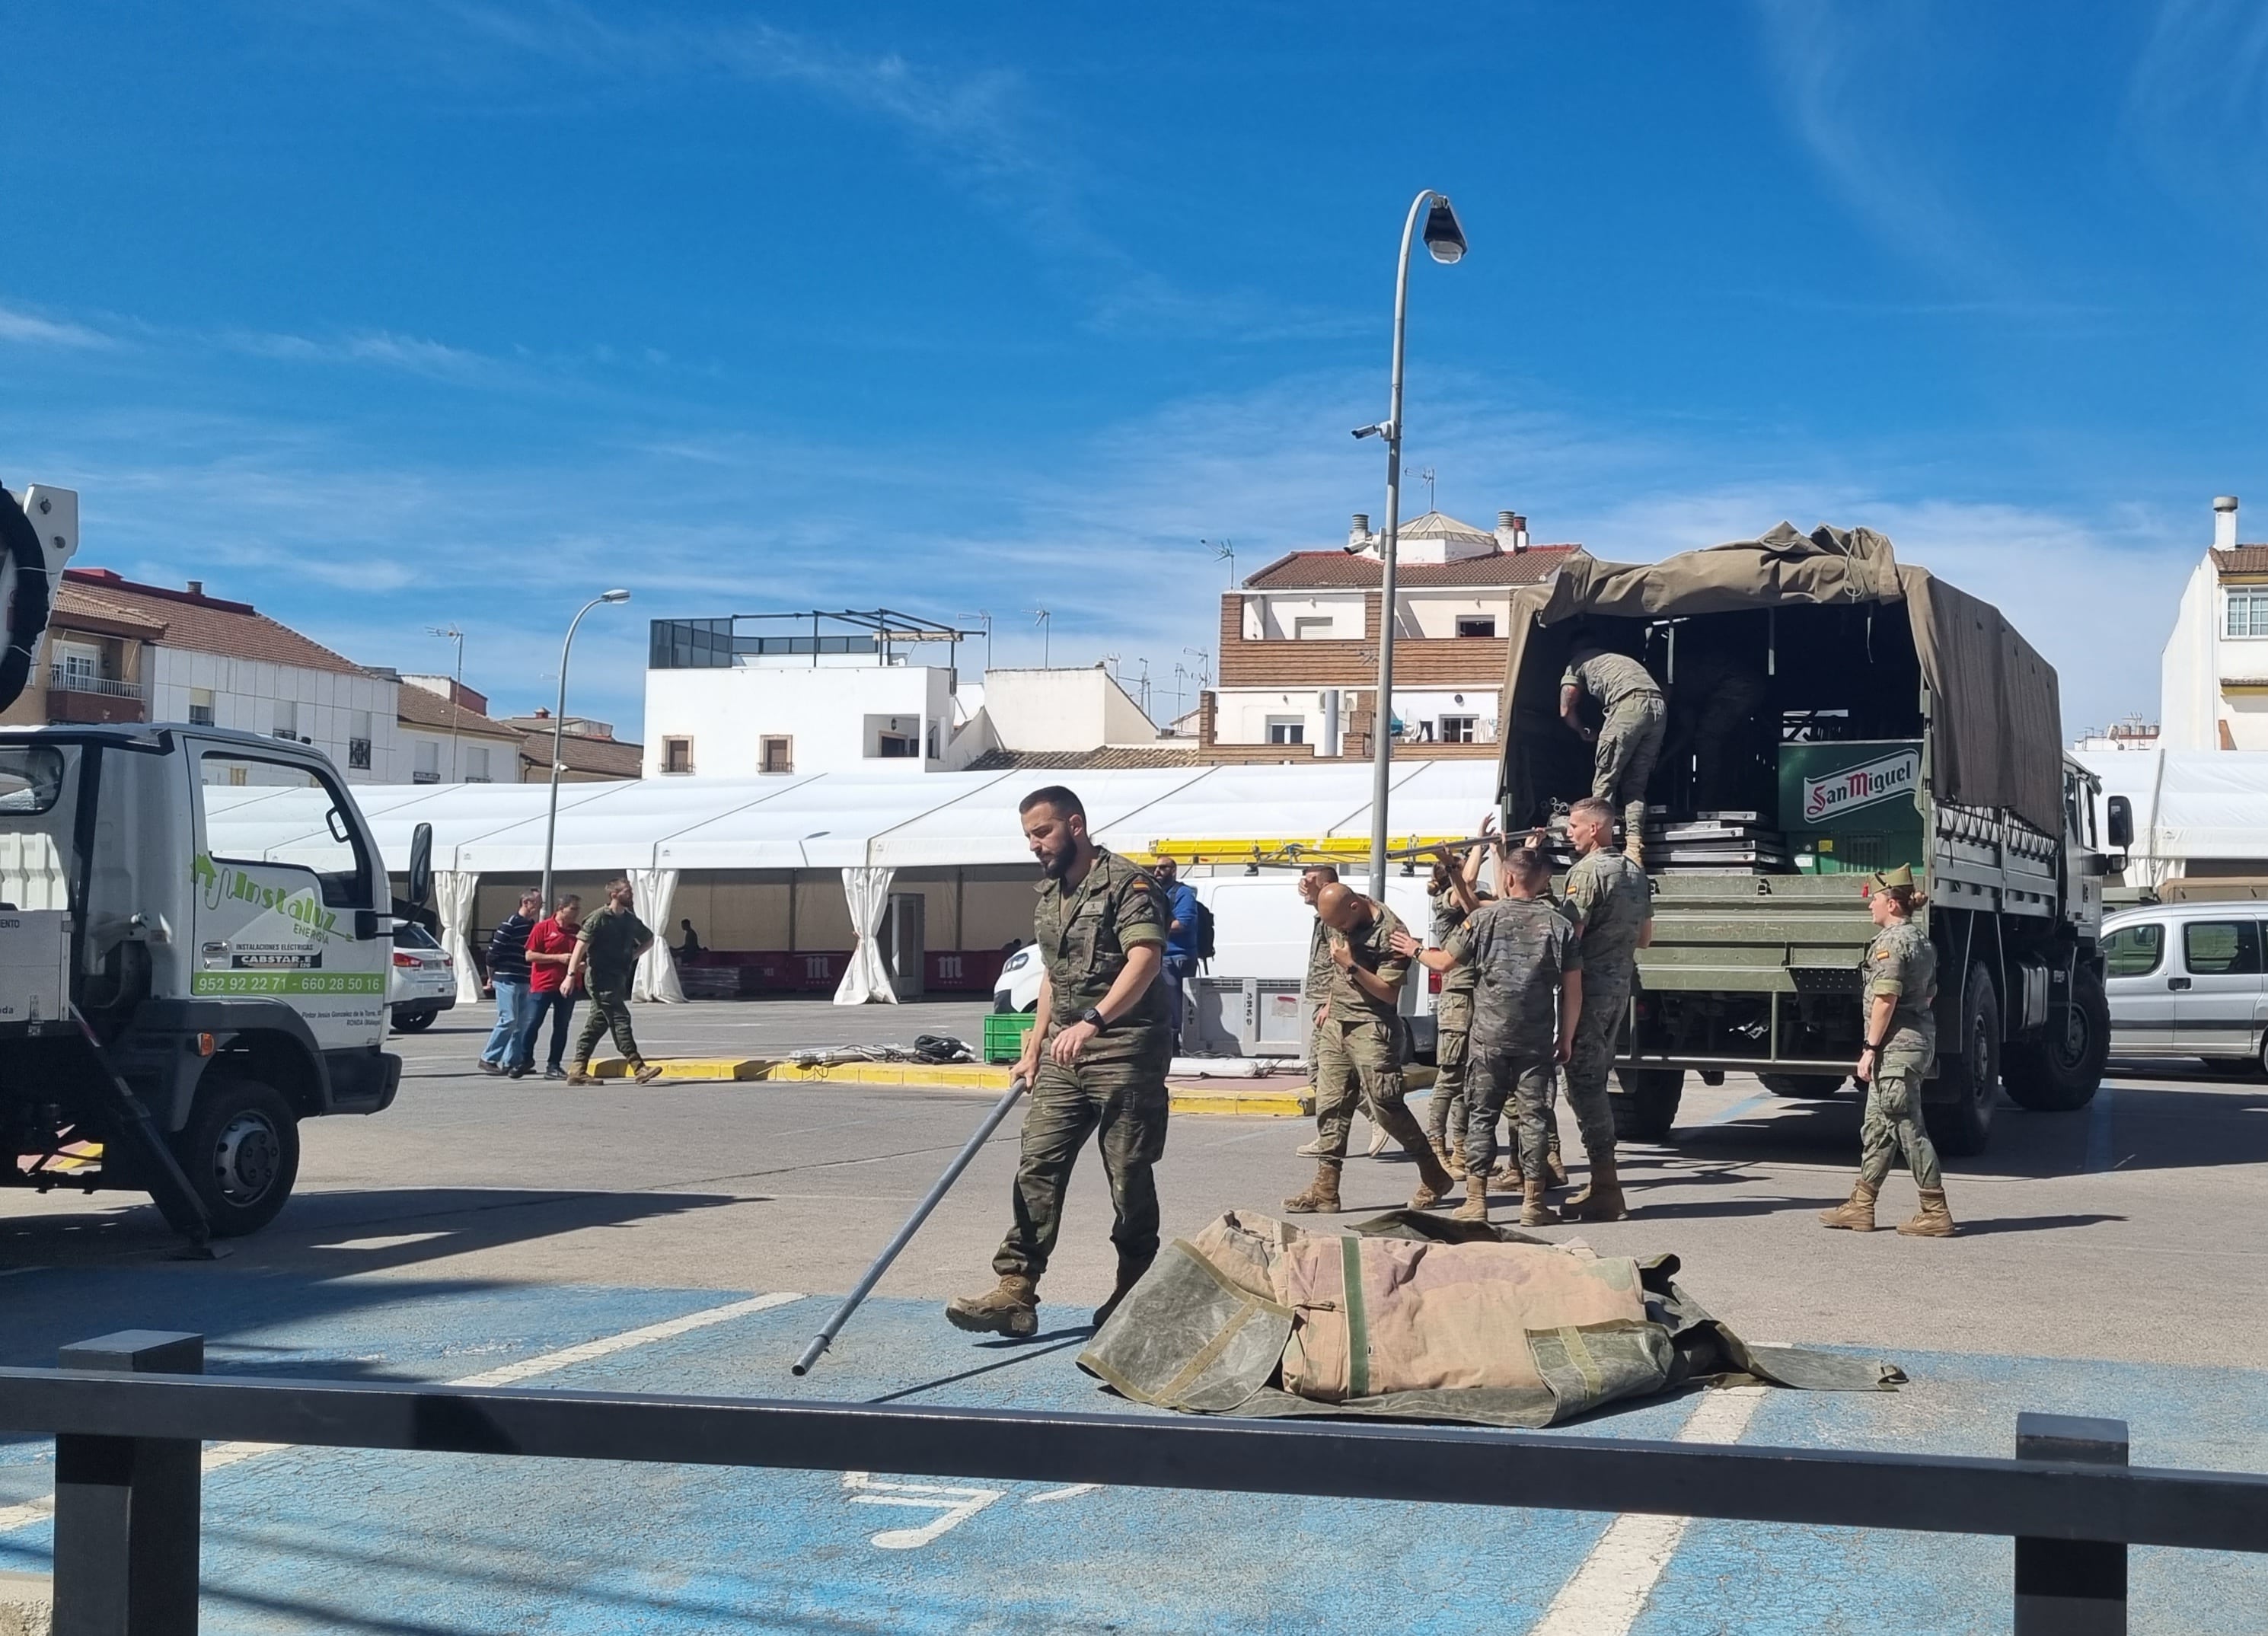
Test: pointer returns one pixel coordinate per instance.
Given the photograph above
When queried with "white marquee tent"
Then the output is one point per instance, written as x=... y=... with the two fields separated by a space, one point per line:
x=2188 y=804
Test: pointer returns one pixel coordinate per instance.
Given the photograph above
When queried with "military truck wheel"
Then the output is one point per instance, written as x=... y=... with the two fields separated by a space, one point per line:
x=1962 y=1124
x=240 y=1151
x=1646 y=1107
x=2055 y=1075
x=1818 y=1085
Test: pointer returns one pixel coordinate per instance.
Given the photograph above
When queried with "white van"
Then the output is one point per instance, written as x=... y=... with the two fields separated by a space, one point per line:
x=2187 y=980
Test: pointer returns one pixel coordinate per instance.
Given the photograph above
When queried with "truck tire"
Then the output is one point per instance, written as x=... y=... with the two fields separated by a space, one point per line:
x=1646 y=1106
x=1962 y=1125
x=240 y=1151
x=1818 y=1085
x=414 y=1019
x=2056 y=1075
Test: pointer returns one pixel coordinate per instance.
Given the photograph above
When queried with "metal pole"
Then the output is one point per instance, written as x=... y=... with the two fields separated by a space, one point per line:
x=962 y=1161
x=1382 y=744
x=558 y=733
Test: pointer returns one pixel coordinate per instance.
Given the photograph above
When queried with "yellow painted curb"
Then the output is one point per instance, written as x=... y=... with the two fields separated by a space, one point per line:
x=1278 y=1104
x=961 y=1075
x=685 y=1069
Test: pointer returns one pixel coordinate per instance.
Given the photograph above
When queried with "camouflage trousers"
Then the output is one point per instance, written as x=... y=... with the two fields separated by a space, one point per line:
x=1523 y=1079
x=1452 y=1022
x=1316 y=1071
x=1892 y=1122
x=1606 y=1000
x=1359 y=1063
x=1629 y=745
x=610 y=1011
x=1125 y=1104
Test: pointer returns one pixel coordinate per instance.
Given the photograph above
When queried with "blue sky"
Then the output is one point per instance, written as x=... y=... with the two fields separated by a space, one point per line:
x=387 y=314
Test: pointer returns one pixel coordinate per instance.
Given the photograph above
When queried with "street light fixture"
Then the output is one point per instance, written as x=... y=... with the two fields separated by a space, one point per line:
x=1445 y=240
x=558 y=731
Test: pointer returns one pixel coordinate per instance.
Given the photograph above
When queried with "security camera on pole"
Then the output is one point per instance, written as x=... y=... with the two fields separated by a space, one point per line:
x=1444 y=240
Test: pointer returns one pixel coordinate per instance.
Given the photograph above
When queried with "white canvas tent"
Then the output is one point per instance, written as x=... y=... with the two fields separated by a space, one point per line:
x=2189 y=805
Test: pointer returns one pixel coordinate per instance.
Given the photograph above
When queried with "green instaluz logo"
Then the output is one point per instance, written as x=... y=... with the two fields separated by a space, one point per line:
x=219 y=885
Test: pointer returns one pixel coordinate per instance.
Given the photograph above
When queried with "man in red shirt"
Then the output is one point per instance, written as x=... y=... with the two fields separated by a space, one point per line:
x=549 y=948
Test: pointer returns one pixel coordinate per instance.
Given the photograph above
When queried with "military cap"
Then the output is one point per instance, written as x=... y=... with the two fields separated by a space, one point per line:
x=1888 y=880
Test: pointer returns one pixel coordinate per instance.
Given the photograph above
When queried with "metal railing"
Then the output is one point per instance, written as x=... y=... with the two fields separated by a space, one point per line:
x=129 y=1412
x=69 y=680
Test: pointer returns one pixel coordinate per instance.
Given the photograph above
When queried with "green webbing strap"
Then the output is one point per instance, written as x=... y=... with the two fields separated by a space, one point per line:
x=1358 y=1322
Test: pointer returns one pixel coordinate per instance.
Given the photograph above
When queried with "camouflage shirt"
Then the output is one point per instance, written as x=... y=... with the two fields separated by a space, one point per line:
x=1083 y=934
x=1449 y=915
x=1373 y=952
x=1610 y=678
x=1317 y=988
x=1519 y=948
x=1901 y=962
x=1609 y=898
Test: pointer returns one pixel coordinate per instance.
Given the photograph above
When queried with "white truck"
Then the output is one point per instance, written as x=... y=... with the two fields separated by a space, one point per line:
x=196 y=937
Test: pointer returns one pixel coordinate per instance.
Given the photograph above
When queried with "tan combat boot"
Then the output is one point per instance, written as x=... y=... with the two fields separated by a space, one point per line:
x=1130 y=1274
x=1533 y=1212
x=1321 y=1198
x=1435 y=1183
x=1010 y=1307
x=1634 y=833
x=1508 y=1181
x=1857 y=1213
x=1602 y=1200
x=1552 y=1162
x=1475 y=1206
x=1933 y=1219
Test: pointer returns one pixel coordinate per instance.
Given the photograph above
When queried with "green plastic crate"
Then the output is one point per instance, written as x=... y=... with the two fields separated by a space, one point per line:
x=1004 y=1034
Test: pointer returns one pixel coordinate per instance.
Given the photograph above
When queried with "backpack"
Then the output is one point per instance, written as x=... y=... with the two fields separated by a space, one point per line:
x=1204 y=930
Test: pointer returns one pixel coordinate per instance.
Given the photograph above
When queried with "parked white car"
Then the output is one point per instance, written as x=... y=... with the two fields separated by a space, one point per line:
x=424 y=982
x=2187 y=980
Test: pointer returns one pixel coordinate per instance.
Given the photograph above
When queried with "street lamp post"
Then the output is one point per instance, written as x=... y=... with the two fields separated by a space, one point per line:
x=558 y=731
x=1445 y=240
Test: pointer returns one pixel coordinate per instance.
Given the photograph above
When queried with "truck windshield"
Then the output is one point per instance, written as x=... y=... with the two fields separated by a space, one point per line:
x=31 y=779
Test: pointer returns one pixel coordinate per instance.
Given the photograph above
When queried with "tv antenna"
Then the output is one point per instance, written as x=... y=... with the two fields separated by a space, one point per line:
x=1040 y=617
x=1426 y=476
x=1223 y=551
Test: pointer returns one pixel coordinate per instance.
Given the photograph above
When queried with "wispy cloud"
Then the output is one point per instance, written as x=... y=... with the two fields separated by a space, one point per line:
x=23 y=328
x=2197 y=104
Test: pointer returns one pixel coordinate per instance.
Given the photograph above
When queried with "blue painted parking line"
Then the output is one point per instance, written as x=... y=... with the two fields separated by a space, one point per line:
x=2099 y=1115
x=306 y=1540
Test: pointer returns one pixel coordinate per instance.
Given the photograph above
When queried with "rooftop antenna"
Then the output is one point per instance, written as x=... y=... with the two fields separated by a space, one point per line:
x=1142 y=682
x=1426 y=476
x=1040 y=617
x=1223 y=551
x=1110 y=664
x=1203 y=671
x=450 y=633
x=1181 y=674
x=985 y=619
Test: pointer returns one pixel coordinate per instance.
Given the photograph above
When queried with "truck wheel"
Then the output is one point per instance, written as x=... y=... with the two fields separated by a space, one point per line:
x=1963 y=1125
x=411 y=1020
x=2055 y=1075
x=1646 y=1107
x=1819 y=1085
x=240 y=1152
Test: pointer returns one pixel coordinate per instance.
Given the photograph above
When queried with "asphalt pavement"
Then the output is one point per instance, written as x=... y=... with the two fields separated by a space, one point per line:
x=482 y=1222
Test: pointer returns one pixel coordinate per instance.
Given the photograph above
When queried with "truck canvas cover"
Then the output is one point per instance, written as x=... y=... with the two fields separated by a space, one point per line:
x=1997 y=719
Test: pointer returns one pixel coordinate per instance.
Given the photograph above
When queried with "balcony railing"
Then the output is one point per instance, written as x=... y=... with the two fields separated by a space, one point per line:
x=70 y=681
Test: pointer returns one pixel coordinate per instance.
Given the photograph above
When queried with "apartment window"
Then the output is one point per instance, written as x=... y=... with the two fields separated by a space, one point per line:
x=2247 y=611
x=287 y=720
x=1476 y=624
x=238 y=776
x=476 y=764
x=427 y=769
x=898 y=747
x=779 y=754
x=1287 y=729
x=677 y=755
x=358 y=742
x=200 y=707
x=1459 y=729
x=1314 y=629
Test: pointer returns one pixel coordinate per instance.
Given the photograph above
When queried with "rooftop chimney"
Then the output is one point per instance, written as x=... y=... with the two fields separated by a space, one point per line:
x=2223 y=522
x=1359 y=534
x=197 y=586
x=1511 y=532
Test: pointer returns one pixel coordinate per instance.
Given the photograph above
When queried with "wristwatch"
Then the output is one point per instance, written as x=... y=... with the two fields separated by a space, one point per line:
x=1094 y=1019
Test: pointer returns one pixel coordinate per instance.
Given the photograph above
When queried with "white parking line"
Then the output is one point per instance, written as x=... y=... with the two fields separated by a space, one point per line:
x=223 y=1454
x=1609 y=1590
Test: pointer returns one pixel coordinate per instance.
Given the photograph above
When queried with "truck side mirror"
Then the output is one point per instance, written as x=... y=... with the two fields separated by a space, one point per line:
x=420 y=864
x=2121 y=826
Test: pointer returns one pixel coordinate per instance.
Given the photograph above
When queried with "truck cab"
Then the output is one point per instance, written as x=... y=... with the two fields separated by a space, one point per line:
x=196 y=930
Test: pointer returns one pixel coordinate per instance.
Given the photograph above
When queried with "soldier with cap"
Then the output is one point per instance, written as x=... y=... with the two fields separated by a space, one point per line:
x=1455 y=892
x=1358 y=1049
x=1611 y=902
x=1898 y=973
x=1629 y=741
x=1095 y=1061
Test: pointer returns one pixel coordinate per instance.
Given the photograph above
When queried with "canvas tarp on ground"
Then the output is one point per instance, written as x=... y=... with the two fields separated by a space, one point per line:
x=1999 y=719
x=1414 y=1316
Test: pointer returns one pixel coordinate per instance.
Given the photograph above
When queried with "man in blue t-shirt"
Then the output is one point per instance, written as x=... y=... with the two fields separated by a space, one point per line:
x=1181 y=940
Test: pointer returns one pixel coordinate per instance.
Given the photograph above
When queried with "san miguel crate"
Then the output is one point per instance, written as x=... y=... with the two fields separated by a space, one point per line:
x=1853 y=806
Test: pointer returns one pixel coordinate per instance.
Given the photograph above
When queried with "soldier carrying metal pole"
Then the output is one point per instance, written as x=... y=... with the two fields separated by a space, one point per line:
x=1096 y=1060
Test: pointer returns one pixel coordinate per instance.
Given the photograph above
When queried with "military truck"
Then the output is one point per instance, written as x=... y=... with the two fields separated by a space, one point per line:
x=196 y=932
x=1832 y=711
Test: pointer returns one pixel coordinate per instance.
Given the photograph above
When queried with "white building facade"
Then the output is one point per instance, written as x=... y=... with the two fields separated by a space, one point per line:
x=2213 y=675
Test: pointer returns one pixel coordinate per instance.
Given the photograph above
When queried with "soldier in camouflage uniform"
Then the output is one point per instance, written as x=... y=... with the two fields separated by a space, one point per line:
x=1899 y=974
x=1359 y=1050
x=1527 y=960
x=1611 y=902
x=1629 y=741
x=1314 y=997
x=1456 y=893
x=1096 y=1059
